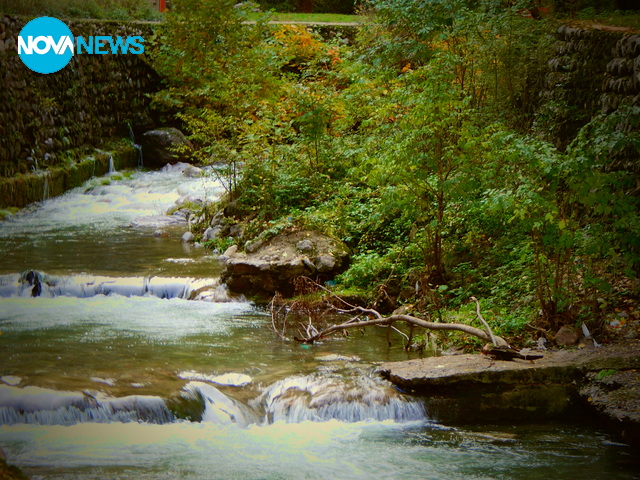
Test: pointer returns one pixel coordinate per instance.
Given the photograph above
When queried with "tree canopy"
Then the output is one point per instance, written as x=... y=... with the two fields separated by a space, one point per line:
x=418 y=145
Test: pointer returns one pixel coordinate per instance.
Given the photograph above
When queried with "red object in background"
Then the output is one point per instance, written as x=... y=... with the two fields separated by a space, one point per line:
x=162 y=4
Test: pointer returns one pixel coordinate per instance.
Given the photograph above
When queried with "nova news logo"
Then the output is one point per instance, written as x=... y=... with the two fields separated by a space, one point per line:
x=46 y=45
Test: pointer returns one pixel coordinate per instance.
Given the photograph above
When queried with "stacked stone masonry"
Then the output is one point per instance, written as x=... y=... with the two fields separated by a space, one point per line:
x=622 y=81
x=592 y=71
x=92 y=99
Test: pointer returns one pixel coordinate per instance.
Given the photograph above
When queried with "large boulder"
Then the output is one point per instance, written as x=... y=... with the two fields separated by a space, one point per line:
x=164 y=145
x=266 y=267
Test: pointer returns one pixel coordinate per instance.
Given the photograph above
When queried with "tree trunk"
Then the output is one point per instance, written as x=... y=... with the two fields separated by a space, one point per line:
x=305 y=6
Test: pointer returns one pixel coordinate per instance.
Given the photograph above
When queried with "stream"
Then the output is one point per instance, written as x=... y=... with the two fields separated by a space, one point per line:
x=122 y=357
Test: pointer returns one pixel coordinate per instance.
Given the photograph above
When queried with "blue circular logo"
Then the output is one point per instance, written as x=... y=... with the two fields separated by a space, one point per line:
x=45 y=45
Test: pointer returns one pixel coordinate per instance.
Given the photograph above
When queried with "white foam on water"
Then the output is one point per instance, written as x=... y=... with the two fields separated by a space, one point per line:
x=108 y=316
x=107 y=203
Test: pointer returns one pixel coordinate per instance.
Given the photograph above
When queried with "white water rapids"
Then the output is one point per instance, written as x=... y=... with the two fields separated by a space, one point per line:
x=129 y=360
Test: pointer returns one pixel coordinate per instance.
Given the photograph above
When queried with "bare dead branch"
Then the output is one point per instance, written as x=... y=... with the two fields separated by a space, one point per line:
x=493 y=338
x=309 y=333
x=409 y=319
x=274 y=314
x=368 y=311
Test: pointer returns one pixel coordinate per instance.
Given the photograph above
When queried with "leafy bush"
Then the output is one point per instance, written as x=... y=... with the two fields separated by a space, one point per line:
x=415 y=148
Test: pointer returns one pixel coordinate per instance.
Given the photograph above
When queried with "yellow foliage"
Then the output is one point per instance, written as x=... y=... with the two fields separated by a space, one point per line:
x=298 y=43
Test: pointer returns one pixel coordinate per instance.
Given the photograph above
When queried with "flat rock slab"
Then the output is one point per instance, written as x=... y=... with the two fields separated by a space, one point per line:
x=432 y=373
x=472 y=388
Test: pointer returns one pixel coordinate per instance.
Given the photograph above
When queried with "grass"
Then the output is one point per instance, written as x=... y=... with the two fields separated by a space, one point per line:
x=316 y=18
x=136 y=10
x=624 y=19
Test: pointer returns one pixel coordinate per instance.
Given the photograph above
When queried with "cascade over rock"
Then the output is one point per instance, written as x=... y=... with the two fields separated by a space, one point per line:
x=270 y=266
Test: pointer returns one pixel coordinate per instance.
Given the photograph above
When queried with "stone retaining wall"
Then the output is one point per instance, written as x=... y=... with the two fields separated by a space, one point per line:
x=47 y=120
x=593 y=71
x=24 y=189
x=622 y=79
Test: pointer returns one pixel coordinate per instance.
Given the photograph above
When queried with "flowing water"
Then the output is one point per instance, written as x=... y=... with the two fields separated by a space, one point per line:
x=123 y=357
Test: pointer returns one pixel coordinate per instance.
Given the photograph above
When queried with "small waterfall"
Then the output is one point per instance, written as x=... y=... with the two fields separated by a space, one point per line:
x=41 y=406
x=45 y=186
x=112 y=168
x=297 y=399
x=221 y=409
x=35 y=284
x=321 y=398
x=135 y=145
x=139 y=149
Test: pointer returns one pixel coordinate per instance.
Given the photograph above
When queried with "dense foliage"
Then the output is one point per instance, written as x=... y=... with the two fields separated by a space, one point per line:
x=100 y=9
x=417 y=147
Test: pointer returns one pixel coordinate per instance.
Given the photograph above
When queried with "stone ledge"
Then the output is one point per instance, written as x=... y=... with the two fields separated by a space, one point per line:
x=564 y=384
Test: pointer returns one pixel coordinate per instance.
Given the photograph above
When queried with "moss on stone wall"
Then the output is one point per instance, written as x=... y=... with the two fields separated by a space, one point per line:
x=24 y=189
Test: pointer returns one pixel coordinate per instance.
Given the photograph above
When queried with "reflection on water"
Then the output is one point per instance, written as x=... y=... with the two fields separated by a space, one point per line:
x=127 y=364
x=308 y=450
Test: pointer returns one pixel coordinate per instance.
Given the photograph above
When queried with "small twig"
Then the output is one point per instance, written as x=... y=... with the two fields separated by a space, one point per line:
x=273 y=316
x=400 y=332
x=410 y=336
x=361 y=310
x=333 y=294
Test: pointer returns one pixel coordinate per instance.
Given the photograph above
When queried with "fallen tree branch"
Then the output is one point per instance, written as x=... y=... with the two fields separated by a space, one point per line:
x=310 y=334
x=493 y=338
x=409 y=319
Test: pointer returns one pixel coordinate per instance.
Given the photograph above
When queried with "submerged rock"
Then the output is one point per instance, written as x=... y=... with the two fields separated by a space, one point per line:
x=271 y=266
x=10 y=472
x=158 y=221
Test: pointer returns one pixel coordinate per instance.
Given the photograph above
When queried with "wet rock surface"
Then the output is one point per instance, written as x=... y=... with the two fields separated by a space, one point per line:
x=473 y=388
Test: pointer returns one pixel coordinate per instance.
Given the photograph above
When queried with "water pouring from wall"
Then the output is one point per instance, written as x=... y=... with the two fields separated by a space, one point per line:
x=138 y=147
x=45 y=186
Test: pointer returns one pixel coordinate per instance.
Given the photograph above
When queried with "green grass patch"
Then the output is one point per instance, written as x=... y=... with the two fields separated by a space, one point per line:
x=314 y=17
x=588 y=18
x=602 y=374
